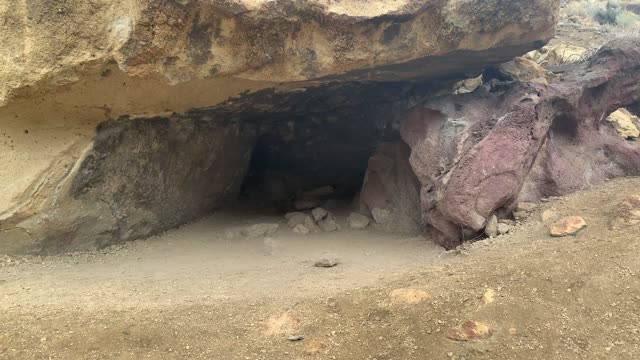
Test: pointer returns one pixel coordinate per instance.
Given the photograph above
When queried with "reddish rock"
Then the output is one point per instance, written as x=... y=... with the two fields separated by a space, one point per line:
x=569 y=225
x=482 y=153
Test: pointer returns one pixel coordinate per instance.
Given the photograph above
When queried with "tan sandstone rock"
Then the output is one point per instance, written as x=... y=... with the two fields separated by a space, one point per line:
x=625 y=123
x=569 y=225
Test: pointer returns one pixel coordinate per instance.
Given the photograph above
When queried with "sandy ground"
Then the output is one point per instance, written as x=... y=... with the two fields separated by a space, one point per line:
x=194 y=294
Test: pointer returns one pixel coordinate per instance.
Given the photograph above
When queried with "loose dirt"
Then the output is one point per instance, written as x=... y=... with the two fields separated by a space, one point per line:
x=195 y=294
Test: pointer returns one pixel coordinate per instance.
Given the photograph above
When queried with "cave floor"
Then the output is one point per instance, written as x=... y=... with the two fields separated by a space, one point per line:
x=194 y=293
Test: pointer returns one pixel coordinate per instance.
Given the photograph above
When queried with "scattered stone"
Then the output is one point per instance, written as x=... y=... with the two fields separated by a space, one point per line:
x=491 y=229
x=295 y=337
x=627 y=212
x=301 y=229
x=507 y=222
x=259 y=230
x=625 y=123
x=548 y=215
x=319 y=214
x=408 y=296
x=381 y=216
x=319 y=192
x=297 y=219
x=470 y=330
x=357 y=221
x=567 y=226
x=489 y=296
x=283 y=324
x=328 y=225
x=326 y=263
x=306 y=204
x=311 y=225
x=504 y=228
x=526 y=206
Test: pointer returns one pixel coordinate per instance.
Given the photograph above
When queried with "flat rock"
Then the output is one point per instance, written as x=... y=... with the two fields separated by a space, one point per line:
x=357 y=221
x=569 y=225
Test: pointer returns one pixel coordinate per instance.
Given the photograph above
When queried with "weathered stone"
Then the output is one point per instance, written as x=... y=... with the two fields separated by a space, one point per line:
x=626 y=212
x=301 y=229
x=625 y=123
x=260 y=230
x=328 y=224
x=566 y=226
x=319 y=214
x=475 y=154
x=310 y=224
x=390 y=191
x=526 y=206
x=297 y=219
x=526 y=70
x=491 y=229
x=357 y=221
x=183 y=41
x=504 y=228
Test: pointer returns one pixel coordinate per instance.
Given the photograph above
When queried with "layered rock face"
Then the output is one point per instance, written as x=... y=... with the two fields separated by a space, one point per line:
x=480 y=153
x=76 y=174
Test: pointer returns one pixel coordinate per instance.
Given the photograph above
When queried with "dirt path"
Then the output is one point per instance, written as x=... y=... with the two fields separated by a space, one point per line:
x=193 y=294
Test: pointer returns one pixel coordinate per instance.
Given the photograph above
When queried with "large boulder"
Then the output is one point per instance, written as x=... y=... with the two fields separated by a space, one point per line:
x=481 y=153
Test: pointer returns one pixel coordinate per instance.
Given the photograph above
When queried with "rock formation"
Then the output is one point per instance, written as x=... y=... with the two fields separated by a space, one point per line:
x=116 y=118
x=481 y=153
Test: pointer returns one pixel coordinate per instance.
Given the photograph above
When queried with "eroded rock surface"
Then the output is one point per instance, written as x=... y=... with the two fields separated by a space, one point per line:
x=480 y=153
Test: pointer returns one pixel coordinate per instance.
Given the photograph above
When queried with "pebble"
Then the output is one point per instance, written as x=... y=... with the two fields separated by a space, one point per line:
x=504 y=228
x=328 y=224
x=319 y=214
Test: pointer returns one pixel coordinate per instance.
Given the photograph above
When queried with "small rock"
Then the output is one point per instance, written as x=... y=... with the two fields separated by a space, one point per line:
x=326 y=263
x=567 y=226
x=520 y=215
x=299 y=218
x=357 y=221
x=301 y=229
x=623 y=122
x=311 y=225
x=306 y=204
x=526 y=206
x=381 y=216
x=295 y=337
x=328 y=224
x=319 y=214
x=504 y=228
x=258 y=230
x=408 y=296
x=507 y=222
x=470 y=330
x=491 y=229
x=489 y=296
